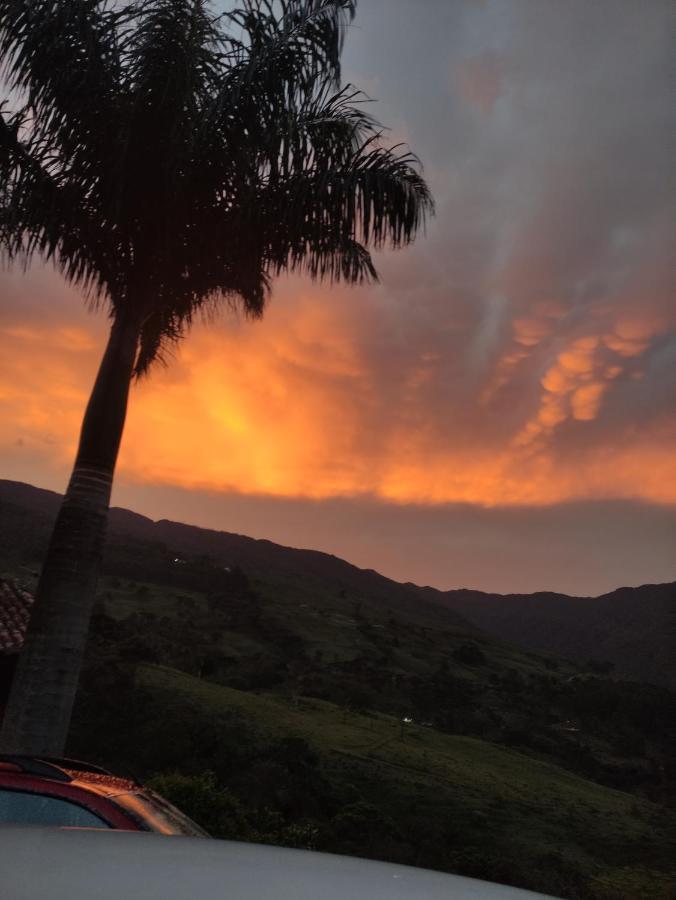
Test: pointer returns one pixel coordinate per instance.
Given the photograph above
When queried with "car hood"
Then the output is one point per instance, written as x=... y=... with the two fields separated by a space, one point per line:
x=63 y=864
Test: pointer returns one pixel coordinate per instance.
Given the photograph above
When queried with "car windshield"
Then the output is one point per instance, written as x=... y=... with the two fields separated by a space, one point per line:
x=156 y=814
x=33 y=808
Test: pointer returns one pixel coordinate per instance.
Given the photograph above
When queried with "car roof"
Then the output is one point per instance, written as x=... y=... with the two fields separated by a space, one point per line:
x=63 y=864
x=66 y=771
x=105 y=785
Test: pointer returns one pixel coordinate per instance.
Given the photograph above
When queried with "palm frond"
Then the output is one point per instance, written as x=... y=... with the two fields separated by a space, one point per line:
x=169 y=159
x=64 y=57
x=43 y=211
x=302 y=38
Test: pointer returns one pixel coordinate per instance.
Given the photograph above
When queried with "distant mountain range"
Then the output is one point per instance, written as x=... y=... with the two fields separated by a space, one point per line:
x=632 y=628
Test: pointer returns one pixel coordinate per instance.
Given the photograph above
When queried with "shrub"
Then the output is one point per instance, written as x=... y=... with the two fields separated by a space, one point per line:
x=469 y=654
x=210 y=805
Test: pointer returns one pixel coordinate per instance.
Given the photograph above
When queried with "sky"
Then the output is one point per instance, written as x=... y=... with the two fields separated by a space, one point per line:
x=499 y=412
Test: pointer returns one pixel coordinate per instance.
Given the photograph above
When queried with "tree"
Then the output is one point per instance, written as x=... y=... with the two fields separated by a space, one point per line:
x=168 y=161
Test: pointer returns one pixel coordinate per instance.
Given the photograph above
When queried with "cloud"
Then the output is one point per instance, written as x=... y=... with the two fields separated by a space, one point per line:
x=296 y=406
x=522 y=352
x=586 y=401
x=479 y=81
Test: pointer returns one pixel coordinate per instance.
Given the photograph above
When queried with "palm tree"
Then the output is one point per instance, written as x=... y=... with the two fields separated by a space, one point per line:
x=169 y=160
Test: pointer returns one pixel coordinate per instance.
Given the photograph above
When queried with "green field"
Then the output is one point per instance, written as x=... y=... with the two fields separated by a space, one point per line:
x=495 y=805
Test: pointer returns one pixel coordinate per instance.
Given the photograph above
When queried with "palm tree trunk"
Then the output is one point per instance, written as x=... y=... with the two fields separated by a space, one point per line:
x=37 y=716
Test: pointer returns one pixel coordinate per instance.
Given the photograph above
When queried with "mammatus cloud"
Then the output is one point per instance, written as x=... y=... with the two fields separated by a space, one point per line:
x=524 y=352
x=296 y=406
x=574 y=386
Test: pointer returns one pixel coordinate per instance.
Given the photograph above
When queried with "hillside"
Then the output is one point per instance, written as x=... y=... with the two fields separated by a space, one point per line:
x=359 y=783
x=26 y=515
x=286 y=696
x=632 y=628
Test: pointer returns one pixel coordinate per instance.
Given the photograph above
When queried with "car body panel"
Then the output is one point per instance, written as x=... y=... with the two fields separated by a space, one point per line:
x=66 y=864
x=96 y=801
x=120 y=802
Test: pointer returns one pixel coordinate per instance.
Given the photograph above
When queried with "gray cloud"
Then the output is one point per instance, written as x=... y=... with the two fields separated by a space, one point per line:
x=535 y=324
x=554 y=185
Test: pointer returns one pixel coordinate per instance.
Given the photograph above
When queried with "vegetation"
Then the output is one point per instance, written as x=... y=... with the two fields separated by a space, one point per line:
x=302 y=710
x=280 y=767
x=353 y=783
x=169 y=160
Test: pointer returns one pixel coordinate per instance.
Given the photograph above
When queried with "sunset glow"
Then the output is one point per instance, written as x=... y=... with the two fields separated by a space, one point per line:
x=521 y=354
x=293 y=407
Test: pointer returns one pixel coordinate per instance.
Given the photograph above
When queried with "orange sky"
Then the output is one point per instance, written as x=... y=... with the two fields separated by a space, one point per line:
x=522 y=354
x=294 y=406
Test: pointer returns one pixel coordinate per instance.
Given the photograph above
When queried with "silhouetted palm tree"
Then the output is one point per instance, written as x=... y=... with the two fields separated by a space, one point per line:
x=168 y=160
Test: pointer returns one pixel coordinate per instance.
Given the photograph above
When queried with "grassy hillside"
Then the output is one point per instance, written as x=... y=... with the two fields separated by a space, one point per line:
x=286 y=696
x=293 y=695
x=321 y=776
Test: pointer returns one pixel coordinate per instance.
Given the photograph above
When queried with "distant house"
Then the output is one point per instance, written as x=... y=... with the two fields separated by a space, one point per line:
x=15 y=610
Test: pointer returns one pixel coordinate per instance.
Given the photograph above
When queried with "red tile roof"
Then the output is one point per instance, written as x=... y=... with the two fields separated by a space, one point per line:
x=15 y=607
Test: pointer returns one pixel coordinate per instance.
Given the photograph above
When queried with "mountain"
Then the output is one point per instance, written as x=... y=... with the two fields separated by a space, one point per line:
x=27 y=512
x=287 y=697
x=631 y=628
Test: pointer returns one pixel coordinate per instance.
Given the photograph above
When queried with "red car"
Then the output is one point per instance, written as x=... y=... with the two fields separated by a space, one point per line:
x=80 y=857
x=73 y=794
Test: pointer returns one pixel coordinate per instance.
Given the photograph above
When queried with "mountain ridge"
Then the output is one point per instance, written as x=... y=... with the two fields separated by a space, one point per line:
x=296 y=697
x=628 y=627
